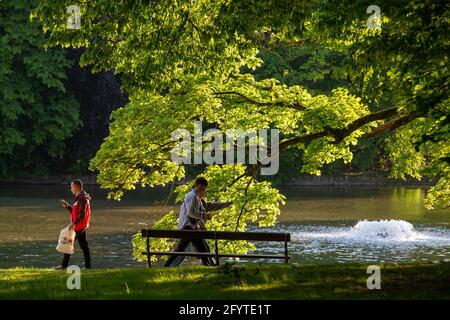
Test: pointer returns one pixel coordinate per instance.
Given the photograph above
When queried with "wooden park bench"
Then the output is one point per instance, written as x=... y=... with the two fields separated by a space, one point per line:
x=216 y=235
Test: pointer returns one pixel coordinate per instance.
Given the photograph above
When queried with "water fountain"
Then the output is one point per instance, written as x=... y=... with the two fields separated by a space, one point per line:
x=386 y=229
x=376 y=241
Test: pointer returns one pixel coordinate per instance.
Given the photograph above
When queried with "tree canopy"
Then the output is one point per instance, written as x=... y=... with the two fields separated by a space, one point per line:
x=36 y=113
x=189 y=60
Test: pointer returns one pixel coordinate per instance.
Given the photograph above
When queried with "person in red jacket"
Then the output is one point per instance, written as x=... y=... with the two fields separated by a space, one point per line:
x=80 y=212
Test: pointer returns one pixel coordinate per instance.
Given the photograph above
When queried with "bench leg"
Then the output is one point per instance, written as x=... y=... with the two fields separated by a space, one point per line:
x=217 y=254
x=149 y=262
x=286 y=256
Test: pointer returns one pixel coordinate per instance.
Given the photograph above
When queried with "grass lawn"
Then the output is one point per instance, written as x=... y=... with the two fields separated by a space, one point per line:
x=340 y=281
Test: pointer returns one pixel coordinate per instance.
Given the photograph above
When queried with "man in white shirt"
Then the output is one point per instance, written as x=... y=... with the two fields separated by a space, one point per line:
x=193 y=215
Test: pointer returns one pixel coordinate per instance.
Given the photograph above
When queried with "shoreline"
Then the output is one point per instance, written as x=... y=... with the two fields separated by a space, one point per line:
x=299 y=180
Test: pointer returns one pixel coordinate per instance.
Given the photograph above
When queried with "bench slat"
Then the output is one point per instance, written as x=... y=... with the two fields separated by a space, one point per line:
x=220 y=255
x=221 y=235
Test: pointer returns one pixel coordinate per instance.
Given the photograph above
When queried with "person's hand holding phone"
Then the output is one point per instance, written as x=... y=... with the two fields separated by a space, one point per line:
x=63 y=203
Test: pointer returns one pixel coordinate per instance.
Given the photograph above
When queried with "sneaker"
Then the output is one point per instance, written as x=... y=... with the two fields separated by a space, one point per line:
x=60 y=267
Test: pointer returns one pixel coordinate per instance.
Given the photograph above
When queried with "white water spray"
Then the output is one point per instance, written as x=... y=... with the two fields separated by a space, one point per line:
x=368 y=241
x=385 y=229
x=381 y=231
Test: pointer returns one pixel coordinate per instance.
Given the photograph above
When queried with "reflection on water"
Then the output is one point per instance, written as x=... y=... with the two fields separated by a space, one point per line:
x=31 y=218
x=358 y=203
x=106 y=251
x=367 y=241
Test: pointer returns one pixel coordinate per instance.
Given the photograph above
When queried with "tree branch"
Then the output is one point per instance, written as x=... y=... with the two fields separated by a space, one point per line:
x=249 y=170
x=340 y=134
x=393 y=124
x=246 y=200
x=296 y=106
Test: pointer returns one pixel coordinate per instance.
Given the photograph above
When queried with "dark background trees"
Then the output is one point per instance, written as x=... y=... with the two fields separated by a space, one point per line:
x=53 y=113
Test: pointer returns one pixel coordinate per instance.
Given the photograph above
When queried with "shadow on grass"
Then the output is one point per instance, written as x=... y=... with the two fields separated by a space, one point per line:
x=345 y=281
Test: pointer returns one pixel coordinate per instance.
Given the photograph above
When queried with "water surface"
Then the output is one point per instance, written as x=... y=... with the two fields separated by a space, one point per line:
x=322 y=221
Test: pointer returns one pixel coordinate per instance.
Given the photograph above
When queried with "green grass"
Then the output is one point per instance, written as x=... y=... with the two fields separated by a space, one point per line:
x=343 y=281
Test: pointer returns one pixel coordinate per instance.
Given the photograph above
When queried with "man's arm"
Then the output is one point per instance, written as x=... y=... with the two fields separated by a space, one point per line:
x=193 y=206
x=81 y=210
x=213 y=206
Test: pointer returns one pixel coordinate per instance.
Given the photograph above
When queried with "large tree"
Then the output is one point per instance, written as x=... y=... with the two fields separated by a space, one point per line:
x=191 y=60
x=36 y=112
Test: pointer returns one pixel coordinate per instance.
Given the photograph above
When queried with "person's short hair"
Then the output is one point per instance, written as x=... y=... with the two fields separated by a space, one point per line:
x=78 y=183
x=202 y=181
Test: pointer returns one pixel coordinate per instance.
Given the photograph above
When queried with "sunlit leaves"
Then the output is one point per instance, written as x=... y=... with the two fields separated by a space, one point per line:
x=194 y=52
x=253 y=203
x=406 y=159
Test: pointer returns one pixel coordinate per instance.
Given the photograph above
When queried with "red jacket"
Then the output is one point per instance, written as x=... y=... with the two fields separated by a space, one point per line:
x=81 y=211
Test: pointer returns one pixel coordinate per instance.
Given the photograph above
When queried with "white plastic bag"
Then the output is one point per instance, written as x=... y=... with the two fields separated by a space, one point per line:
x=65 y=242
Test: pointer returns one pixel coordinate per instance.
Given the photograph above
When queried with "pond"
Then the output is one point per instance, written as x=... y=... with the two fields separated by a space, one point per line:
x=327 y=225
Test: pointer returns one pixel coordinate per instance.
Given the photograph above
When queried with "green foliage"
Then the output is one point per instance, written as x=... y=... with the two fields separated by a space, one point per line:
x=169 y=221
x=36 y=113
x=138 y=146
x=439 y=195
x=403 y=64
x=435 y=143
x=195 y=60
x=335 y=112
x=406 y=159
x=309 y=64
x=253 y=203
x=155 y=45
x=367 y=154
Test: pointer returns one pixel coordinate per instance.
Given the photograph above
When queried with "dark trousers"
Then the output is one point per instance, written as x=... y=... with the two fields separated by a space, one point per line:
x=200 y=245
x=81 y=236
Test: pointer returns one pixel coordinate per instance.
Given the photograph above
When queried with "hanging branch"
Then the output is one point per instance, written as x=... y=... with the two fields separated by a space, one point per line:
x=246 y=200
